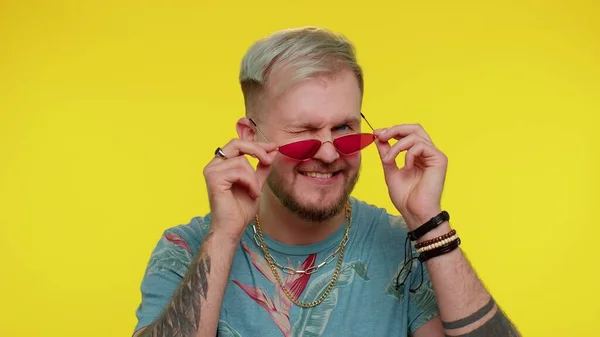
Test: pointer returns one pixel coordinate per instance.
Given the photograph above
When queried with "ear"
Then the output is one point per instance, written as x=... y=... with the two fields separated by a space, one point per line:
x=245 y=130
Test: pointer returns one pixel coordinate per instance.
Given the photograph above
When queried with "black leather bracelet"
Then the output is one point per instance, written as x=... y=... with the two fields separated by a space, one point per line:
x=428 y=226
x=439 y=251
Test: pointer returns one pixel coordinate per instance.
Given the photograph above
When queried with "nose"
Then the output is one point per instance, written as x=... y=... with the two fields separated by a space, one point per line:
x=327 y=153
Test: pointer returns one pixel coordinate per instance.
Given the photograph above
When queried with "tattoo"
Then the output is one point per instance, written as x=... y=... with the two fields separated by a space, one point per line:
x=497 y=326
x=181 y=317
x=461 y=323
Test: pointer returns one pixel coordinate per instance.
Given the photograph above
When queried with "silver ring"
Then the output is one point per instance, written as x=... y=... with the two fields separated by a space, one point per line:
x=219 y=152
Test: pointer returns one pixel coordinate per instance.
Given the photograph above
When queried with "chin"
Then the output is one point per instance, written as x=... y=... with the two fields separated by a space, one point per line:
x=316 y=208
x=312 y=203
x=321 y=201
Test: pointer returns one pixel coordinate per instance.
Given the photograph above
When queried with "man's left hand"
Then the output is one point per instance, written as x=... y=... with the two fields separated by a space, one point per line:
x=416 y=188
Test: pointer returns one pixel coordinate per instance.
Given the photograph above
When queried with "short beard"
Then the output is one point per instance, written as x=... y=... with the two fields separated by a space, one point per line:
x=309 y=214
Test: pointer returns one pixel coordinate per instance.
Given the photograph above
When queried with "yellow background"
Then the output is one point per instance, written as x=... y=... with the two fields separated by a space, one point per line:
x=110 y=109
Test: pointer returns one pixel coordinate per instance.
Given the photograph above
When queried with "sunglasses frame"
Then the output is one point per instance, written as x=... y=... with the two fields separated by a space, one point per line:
x=332 y=141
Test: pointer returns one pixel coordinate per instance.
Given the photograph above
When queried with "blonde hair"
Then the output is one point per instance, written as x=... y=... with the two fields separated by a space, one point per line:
x=305 y=51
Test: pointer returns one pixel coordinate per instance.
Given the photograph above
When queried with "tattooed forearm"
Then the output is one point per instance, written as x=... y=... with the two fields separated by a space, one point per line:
x=181 y=317
x=497 y=326
x=479 y=314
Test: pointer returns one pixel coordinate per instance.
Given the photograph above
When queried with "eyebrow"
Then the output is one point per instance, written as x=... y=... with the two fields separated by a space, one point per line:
x=308 y=126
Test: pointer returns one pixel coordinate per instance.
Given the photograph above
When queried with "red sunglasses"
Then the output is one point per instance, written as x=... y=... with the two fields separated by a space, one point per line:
x=306 y=149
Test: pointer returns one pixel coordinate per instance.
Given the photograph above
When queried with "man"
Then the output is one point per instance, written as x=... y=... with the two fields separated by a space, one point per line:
x=285 y=250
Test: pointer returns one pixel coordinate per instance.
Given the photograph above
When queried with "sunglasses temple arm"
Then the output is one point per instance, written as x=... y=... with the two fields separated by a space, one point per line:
x=256 y=126
x=365 y=118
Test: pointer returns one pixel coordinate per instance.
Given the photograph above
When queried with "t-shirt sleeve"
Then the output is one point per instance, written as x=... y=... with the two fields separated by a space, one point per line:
x=166 y=268
x=422 y=305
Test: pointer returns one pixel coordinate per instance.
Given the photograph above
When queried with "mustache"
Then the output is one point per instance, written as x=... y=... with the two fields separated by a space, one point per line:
x=323 y=168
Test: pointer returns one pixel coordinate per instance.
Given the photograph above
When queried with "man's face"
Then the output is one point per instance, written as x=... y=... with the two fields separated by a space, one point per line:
x=323 y=108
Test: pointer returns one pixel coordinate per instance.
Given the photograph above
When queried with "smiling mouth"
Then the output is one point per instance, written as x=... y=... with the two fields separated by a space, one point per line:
x=320 y=175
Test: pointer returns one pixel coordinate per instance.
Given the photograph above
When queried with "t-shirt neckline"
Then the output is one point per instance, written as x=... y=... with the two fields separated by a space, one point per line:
x=315 y=248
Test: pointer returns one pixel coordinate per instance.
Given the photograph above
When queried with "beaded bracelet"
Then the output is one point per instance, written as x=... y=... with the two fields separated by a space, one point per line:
x=439 y=251
x=434 y=240
x=438 y=244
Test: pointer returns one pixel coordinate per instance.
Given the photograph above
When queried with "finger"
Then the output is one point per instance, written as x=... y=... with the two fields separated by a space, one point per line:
x=231 y=172
x=402 y=145
x=262 y=173
x=225 y=165
x=222 y=165
x=400 y=131
x=425 y=154
x=237 y=147
x=263 y=168
x=383 y=148
x=242 y=177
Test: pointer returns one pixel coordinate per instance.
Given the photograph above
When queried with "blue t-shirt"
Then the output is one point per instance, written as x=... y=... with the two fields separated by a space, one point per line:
x=363 y=302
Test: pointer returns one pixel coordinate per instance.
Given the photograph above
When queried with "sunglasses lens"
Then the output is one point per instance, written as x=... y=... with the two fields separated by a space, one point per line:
x=353 y=143
x=301 y=150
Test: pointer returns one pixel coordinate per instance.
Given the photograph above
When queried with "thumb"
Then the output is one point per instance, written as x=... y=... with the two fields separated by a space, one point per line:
x=263 y=170
x=383 y=148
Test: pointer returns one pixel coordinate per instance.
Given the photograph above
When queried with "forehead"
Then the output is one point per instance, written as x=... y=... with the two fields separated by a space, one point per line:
x=317 y=102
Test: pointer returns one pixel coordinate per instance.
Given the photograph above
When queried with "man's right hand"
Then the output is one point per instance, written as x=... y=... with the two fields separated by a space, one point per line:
x=234 y=186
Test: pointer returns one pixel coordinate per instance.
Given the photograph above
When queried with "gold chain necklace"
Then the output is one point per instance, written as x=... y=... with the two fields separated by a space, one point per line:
x=336 y=272
x=310 y=270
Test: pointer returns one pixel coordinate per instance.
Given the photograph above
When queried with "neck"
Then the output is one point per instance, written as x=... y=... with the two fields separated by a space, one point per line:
x=286 y=227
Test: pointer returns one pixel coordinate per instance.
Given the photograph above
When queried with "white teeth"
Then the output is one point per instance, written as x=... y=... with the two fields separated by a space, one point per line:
x=318 y=175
